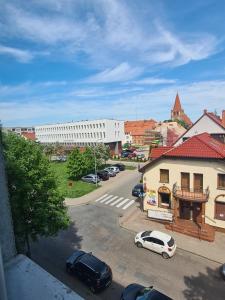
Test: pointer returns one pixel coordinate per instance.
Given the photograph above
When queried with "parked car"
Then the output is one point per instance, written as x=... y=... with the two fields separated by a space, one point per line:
x=91 y=270
x=91 y=178
x=120 y=166
x=103 y=175
x=114 y=169
x=132 y=155
x=156 y=241
x=110 y=172
x=136 y=291
x=138 y=190
x=140 y=155
x=222 y=271
x=124 y=154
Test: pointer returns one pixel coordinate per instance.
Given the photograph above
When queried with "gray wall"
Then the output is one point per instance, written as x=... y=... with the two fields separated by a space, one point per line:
x=7 y=241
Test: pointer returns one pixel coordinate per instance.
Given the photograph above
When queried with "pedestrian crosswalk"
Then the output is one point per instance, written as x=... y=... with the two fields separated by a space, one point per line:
x=115 y=201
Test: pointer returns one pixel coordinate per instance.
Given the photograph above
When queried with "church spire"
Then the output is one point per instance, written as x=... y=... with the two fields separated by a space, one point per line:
x=177 y=105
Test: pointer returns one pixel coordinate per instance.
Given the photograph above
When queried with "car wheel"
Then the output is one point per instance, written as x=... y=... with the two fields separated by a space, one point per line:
x=139 y=245
x=93 y=290
x=165 y=255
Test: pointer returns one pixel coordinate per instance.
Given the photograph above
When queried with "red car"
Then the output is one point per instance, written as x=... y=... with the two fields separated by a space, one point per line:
x=131 y=155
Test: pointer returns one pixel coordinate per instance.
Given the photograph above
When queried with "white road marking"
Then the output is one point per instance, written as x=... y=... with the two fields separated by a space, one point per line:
x=110 y=200
x=128 y=204
x=123 y=202
x=118 y=200
x=107 y=198
x=101 y=197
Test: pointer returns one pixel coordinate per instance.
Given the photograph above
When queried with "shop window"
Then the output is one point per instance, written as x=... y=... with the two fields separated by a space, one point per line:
x=164 y=176
x=221 y=181
x=220 y=210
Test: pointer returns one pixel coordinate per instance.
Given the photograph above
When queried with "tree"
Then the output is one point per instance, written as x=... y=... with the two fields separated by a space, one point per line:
x=75 y=164
x=103 y=153
x=48 y=151
x=59 y=149
x=37 y=207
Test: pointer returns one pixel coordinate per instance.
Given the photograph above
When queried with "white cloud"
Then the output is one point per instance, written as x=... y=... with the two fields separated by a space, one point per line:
x=140 y=104
x=108 y=33
x=21 y=55
x=154 y=81
x=122 y=72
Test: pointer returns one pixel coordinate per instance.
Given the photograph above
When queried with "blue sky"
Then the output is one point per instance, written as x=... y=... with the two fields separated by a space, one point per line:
x=63 y=60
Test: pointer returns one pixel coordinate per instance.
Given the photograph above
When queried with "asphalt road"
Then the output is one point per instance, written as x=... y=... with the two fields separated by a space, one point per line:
x=96 y=229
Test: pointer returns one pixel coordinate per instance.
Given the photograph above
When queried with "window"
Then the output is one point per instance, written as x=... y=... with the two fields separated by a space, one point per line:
x=220 y=210
x=221 y=181
x=164 y=176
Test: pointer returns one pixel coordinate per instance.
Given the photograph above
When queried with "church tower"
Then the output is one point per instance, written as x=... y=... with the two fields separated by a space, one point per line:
x=177 y=113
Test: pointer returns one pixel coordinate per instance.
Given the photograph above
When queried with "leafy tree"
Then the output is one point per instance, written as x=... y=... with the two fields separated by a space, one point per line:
x=89 y=160
x=37 y=207
x=48 y=151
x=103 y=153
x=59 y=149
x=75 y=164
x=182 y=123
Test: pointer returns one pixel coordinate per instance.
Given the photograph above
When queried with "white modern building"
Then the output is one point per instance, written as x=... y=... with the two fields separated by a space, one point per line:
x=82 y=133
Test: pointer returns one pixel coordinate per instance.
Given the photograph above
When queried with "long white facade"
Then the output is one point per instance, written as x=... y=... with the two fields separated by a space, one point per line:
x=81 y=133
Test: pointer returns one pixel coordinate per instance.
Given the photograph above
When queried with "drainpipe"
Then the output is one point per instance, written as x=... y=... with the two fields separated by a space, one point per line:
x=3 y=294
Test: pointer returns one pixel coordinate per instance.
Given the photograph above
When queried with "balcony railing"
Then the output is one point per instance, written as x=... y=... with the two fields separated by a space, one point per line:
x=200 y=195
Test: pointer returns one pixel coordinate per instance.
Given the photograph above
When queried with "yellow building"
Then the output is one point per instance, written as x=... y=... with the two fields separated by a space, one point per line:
x=185 y=186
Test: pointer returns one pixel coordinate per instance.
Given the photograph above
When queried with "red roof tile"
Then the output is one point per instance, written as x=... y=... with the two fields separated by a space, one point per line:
x=138 y=127
x=29 y=135
x=157 y=152
x=215 y=118
x=199 y=146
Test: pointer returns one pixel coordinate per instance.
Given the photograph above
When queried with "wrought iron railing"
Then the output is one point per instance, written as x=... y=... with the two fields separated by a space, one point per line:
x=190 y=193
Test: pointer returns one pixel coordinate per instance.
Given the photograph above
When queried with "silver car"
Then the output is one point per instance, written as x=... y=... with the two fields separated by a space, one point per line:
x=90 y=178
x=114 y=169
x=110 y=172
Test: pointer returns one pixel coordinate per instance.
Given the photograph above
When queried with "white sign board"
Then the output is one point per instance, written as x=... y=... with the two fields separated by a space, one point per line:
x=160 y=215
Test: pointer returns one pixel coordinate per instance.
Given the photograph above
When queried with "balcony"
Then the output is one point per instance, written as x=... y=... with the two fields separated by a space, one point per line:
x=193 y=195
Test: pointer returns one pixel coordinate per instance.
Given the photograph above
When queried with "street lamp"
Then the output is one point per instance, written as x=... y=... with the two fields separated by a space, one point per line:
x=96 y=178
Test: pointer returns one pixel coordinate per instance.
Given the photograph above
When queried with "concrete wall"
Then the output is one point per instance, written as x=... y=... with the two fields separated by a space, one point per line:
x=209 y=169
x=7 y=241
x=83 y=132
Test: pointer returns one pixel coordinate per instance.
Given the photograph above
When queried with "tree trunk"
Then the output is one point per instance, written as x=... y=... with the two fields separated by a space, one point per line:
x=28 y=253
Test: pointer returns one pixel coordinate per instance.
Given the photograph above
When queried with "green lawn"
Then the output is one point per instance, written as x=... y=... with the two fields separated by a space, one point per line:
x=78 y=188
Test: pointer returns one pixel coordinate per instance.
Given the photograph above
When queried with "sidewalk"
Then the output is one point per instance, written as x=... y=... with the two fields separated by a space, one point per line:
x=137 y=221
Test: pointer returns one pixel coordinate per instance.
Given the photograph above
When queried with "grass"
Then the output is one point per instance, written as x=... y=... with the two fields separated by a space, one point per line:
x=78 y=188
x=130 y=167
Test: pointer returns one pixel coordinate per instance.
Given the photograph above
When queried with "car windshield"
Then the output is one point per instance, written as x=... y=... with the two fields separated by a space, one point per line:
x=146 y=233
x=171 y=242
x=143 y=294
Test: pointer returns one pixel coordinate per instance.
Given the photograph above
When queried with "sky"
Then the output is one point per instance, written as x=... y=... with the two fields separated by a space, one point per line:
x=64 y=60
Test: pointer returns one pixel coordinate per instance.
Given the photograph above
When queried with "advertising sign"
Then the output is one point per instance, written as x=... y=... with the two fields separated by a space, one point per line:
x=151 y=197
x=160 y=215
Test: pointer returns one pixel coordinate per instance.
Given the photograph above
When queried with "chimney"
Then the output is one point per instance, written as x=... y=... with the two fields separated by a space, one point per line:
x=205 y=111
x=223 y=118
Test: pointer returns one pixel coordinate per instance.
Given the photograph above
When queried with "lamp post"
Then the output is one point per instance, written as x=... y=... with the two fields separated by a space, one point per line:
x=96 y=178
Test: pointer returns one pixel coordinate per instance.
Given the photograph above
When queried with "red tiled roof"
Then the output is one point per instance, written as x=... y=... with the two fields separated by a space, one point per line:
x=215 y=118
x=157 y=152
x=199 y=146
x=138 y=127
x=177 y=105
x=29 y=135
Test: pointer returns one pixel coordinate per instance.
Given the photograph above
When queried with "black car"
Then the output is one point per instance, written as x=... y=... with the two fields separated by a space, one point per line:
x=138 y=190
x=120 y=166
x=91 y=270
x=136 y=291
x=103 y=175
x=222 y=271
